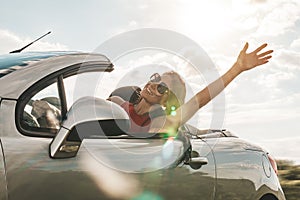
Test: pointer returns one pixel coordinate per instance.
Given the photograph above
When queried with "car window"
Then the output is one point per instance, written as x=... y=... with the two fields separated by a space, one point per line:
x=43 y=110
x=85 y=84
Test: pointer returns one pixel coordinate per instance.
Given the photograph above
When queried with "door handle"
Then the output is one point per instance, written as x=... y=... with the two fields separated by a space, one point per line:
x=197 y=162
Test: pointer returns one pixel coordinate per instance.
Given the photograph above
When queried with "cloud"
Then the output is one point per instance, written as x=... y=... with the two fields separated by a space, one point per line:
x=274 y=22
x=288 y=58
x=275 y=147
x=278 y=18
x=141 y=14
x=295 y=44
x=278 y=110
x=11 y=41
x=272 y=98
x=264 y=102
x=280 y=77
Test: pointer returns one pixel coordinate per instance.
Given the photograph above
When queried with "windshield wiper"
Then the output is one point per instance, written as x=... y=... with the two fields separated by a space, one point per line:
x=19 y=50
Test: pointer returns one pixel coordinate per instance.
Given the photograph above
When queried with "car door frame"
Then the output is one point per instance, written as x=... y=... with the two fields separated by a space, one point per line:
x=12 y=136
x=58 y=77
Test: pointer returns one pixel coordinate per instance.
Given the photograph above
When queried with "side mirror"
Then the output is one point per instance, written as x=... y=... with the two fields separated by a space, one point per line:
x=89 y=117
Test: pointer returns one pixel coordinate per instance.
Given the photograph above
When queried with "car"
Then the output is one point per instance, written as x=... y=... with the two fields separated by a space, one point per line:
x=59 y=140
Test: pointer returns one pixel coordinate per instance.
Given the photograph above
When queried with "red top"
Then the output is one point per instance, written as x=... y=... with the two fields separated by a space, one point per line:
x=138 y=123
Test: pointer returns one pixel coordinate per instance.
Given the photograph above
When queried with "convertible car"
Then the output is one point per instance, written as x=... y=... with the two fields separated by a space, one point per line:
x=59 y=141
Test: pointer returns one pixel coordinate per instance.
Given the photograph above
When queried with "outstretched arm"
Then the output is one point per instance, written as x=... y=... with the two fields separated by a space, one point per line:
x=244 y=62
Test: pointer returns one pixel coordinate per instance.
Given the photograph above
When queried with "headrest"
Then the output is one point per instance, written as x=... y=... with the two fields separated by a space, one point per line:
x=128 y=93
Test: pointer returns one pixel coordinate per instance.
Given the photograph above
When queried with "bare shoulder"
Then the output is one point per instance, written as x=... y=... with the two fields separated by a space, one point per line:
x=116 y=99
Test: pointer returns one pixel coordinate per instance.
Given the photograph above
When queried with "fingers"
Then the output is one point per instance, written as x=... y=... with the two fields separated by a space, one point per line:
x=245 y=47
x=260 y=48
x=265 y=53
x=264 y=60
x=268 y=57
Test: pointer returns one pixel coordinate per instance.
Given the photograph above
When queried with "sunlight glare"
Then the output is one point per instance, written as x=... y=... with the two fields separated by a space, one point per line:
x=207 y=20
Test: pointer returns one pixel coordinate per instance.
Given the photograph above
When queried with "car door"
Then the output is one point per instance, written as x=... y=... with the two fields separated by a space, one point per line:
x=143 y=159
x=202 y=180
x=30 y=172
x=95 y=172
x=165 y=176
x=185 y=181
x=158 y=164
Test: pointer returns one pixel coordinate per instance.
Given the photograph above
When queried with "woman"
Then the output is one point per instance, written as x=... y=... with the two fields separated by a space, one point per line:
x=168 y=91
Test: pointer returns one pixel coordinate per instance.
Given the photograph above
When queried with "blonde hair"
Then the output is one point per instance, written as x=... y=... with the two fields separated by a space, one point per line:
x=177 y=92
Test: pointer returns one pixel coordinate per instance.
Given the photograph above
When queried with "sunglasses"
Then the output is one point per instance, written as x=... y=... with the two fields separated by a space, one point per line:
x=161 y=86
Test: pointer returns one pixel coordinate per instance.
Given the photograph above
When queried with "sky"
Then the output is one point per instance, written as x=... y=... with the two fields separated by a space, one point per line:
x=261 y=105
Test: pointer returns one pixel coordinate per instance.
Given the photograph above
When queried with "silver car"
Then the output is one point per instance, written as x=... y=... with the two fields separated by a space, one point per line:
x=58 y=143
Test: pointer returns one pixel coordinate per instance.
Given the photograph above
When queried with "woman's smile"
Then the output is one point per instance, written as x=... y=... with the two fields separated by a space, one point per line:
x=149 y=92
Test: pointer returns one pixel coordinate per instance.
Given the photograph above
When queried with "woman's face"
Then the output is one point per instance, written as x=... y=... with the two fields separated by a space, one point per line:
x=156 y=92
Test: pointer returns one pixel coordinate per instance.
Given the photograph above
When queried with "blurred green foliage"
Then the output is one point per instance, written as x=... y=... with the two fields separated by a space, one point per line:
x=289 y=177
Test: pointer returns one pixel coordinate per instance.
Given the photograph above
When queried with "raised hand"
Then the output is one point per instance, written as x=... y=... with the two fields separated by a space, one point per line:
x=246 y=61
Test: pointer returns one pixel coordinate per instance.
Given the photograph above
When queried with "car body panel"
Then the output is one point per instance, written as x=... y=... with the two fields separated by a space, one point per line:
x=240 y=165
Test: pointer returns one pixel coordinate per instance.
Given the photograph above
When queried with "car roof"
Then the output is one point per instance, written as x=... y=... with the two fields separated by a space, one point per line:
x=12 y=62
x=20 y=71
